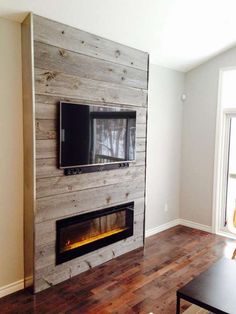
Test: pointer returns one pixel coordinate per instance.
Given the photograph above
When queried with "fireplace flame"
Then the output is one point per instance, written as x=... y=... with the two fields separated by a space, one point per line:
x=70 y=246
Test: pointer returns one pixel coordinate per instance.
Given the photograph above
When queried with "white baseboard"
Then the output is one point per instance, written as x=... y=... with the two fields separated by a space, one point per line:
x=226 y=234
x=12 y=287
x=161 y=228
x=195 y=225
x=176 y=222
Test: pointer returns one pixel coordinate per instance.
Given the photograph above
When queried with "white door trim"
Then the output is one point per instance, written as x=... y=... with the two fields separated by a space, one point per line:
x=221 y=155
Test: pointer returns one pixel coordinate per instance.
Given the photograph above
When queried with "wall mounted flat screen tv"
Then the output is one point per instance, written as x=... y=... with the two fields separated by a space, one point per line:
x=95 y=135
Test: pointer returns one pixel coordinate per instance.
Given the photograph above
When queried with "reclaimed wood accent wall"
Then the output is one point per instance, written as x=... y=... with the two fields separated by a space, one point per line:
x=73 y=65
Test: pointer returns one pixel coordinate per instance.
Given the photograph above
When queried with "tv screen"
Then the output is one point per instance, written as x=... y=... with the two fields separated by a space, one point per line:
x=94 y=135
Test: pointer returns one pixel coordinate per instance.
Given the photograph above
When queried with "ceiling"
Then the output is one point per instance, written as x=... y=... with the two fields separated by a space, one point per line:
x=179 y=34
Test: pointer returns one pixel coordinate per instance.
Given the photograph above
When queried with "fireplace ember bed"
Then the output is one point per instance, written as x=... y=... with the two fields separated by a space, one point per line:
x=81 y=234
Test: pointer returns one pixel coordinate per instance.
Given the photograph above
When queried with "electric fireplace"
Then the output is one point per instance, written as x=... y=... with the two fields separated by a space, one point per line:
x=84 y=233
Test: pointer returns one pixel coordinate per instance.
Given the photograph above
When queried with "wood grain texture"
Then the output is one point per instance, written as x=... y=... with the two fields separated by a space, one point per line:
x=74 y=66
x=47 y=129
x=45 y=257
x=47 y=167
x=58 y=206
x=29 y=148
x=69 y=38
x=141 y=281
x=49 y=149
x=47 y=107
x=61 y=60
x=52 y=276
x=63 y=184
x=43 y=230
x=60 y=84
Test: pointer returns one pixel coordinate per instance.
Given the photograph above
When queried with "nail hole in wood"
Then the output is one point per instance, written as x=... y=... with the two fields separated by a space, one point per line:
x=117 y=53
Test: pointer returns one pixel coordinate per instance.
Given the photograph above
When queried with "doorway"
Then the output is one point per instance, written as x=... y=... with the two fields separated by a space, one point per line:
x=224 y=199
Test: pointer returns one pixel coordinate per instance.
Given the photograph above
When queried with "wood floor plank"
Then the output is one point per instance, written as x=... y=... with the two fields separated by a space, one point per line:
x=142 y=281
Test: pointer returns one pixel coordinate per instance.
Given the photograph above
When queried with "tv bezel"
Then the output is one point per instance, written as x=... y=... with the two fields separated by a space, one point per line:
x=100 y=165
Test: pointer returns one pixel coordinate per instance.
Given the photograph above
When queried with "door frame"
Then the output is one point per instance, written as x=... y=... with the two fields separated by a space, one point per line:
x=221 y=161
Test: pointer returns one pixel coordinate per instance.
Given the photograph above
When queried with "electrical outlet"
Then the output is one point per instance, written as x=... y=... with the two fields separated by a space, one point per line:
x=166 y=208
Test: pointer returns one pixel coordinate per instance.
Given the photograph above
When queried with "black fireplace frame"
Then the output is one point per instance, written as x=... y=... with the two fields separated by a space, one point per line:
x=62 y=257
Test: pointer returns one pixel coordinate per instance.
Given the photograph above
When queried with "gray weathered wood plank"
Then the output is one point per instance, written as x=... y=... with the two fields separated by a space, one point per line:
x=47 y=167
x=45 y=232
x=57 y=59
x=45 y=256
x=47 y=275
x=67 y=37
x=71 y=203
x=55 y=83
x=75 y=66
x=47 y=129
x=45 y=252
x=46 y=107
x=63 y=184
x=48 y=148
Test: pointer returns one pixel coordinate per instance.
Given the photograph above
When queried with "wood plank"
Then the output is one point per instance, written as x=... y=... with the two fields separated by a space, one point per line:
x=140 y=159
x=140 y=144
x=52 y=207
x=29 y=148
x=45 y=256
x=47 y=129
x=141 y=130
x=57 y=59
x=59 y=84
x=47 y=167
x=67 y=37
x=141 y=281
x=75 y=66
x=45 y=232
x=52 y=275
x=46 y=107
x=64 y=184
x=48 y=148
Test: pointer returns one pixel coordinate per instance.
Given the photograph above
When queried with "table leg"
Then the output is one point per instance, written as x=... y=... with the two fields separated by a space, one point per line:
x=178 y=305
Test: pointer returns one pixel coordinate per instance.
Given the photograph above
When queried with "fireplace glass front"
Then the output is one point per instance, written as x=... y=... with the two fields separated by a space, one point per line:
x=84 y=233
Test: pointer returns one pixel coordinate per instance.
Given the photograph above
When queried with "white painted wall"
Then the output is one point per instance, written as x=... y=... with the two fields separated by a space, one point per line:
x=198 y=143
x=164 y=145
x=11 y=154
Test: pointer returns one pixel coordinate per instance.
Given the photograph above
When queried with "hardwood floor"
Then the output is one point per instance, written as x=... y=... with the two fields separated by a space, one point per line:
x=142 y=281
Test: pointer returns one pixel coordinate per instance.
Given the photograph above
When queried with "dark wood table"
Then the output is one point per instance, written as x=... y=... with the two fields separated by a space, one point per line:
x=213 y=290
